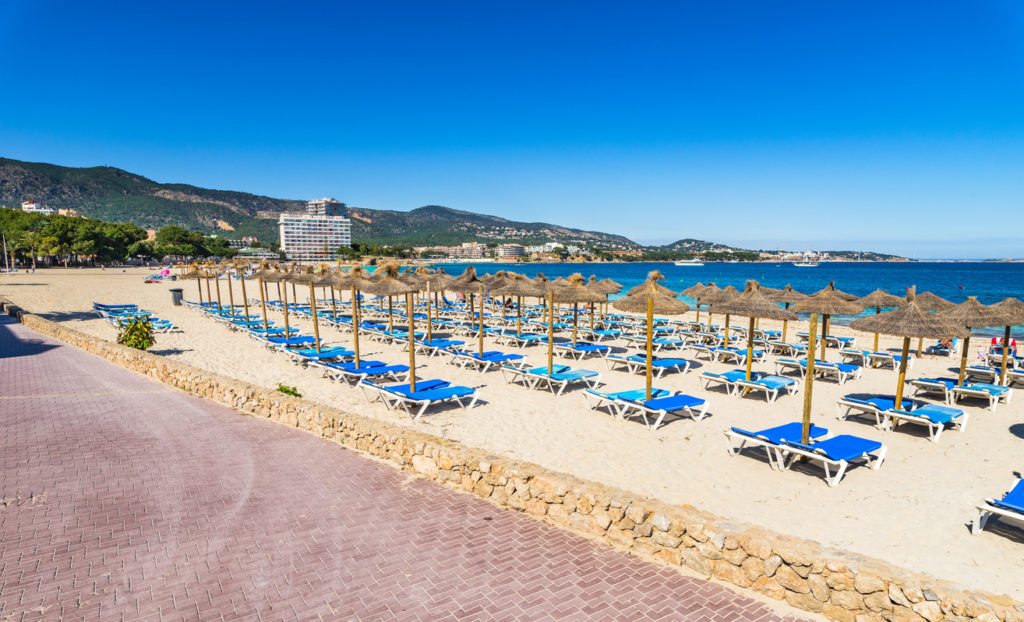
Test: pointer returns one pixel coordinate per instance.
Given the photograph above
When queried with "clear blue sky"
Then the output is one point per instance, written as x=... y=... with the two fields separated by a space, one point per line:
x=893 y=126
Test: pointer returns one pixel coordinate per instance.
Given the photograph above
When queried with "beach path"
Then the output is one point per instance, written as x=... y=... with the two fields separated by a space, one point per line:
x=125 y=499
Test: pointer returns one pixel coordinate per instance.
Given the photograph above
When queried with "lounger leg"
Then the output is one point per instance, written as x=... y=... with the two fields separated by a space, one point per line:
x=962 y=423
x=661 y=416
x=881 y=457
x=980 y=518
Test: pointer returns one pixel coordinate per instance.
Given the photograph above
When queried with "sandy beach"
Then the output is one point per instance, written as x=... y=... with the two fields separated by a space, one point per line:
x=914 y=512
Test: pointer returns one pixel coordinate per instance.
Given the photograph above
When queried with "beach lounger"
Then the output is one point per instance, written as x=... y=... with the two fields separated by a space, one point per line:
x=836 y=453
x=582 y=349
x=600 y=335
x=437 y=346
x=637 y=363
x=840 y=371
x=1011 y=505
x=771 y=439
x=983 y=373
x=557 y=382
x=938 y=350
x=728 y=378
x=942 y=386
x=1014 y=375
x=873 y=405
x=658 y=407
x=858 y=357
x=786 y=349
x=785 y=365
x=522 y=340
x=700 y=349
x=304 y=355
x=771 y=385
x=428 y=393
x=367 y=369
x=932 y=416
x=888 y=359
x=668 y=343
x=512 y=374
x=614 y=401
x=284 y=342
x=994 y=393
x=483 y=362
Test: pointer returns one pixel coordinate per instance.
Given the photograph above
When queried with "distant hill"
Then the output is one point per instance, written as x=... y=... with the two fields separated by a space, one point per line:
x=116 y=195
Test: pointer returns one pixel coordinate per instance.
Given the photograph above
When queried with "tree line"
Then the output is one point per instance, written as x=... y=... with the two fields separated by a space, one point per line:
x=63 y=240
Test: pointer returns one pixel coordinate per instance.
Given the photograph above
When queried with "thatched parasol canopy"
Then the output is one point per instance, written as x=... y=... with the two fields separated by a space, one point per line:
x=604 y=286
x=880 y=298
x=576 y=291
x=648 y=298
x=695 y=291
x=519 y=285
x=753 y=304
x=389 y=282
x=909 y=320
x=1012 y=308
x=468 y=282
x=930 y=302
x=829 y=301
x=972 y=313
x=786 y=295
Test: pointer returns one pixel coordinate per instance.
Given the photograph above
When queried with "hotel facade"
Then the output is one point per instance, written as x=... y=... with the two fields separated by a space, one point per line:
x=315 y=236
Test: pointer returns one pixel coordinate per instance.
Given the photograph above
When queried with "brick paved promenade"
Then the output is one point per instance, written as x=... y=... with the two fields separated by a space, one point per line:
x=126 y=500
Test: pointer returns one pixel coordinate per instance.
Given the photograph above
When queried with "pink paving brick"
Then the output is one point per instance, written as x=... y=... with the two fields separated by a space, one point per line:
x=123 y=499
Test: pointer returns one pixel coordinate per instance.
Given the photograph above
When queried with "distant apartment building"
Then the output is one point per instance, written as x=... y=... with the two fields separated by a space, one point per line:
x=245 y=242
x=34 y=208
x=70 y=212
x=511 y=250
x=316 y=235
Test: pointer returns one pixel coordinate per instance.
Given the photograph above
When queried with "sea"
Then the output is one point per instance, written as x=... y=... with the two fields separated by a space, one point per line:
x=952 y=280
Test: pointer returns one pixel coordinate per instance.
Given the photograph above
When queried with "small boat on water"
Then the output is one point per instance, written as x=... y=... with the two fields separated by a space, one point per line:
x=689 y=262
x=806 y=264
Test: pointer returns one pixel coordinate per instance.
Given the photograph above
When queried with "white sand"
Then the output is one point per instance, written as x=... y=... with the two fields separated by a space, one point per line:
x=914 y=512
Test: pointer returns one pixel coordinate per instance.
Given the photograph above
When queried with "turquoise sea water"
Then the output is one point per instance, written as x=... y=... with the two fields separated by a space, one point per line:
x=954 y=281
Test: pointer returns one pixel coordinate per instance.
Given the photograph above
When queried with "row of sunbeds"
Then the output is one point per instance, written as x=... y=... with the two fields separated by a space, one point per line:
x=117 y=314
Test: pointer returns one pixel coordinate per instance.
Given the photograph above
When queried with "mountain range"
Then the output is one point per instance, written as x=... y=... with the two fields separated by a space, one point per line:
x=116 y=195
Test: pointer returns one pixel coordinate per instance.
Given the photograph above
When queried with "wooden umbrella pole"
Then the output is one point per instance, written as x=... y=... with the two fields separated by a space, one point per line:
x=295 y=297
x=334 y=305
x=726 y=330
x=519 y=309
x=824 y=339
x=430 y=320
x=263 y=304
x=412 y=343
x=245 y=298
x=650 y=343
x=877 y=311
x=902 y=379
x=591 y=318
x=963 y=358
x=809 y=380
x=750 y=347
x=199 y=286
x=920 y=344
x=279 y=290
x=698 y=310
x=551 y=331
x=1006 y=353
x=391 y=325
x=209 y=297
x=284 y=302
x=785 y=324
x=481 y=333
x=316 y=322
x=216 y=283
x=231 y=295
x=355 y=325
x=575 y=313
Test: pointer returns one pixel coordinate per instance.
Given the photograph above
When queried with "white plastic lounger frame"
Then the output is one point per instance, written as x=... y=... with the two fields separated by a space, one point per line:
x=631 y=409
x=980 y=393
x=789 y=455
x=770 y=448
x=986 y=510
x=771 y=394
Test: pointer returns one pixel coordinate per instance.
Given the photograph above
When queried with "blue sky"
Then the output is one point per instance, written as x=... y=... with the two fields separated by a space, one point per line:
x=869 y=125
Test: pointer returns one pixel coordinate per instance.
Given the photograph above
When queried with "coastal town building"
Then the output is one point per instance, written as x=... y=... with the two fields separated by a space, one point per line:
x=244 y=242
x=34 y=208
x=509 y=251
x=70 y=212
x=316 y=235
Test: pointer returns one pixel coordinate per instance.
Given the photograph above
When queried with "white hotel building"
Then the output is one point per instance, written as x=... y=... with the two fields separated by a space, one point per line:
x=315 y=236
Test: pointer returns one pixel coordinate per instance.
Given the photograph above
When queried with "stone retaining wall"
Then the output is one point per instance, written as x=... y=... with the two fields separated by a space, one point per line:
x=839 y=585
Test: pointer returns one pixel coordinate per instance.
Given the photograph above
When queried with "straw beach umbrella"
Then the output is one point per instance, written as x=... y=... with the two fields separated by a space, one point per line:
x=753 y=304
x=309 y=276
x=828 y=301
x=972 y=314
x=930 y=302
x=548 y=288
x=908 y=321
x=468 y=283
x=574 y=293
x=785 y=296
x=696 y=291
x=1013 y=309
x=878 y=299
x=519 y=286
x=355 y=280
x=195 y=273
x=389 y=284
x=261 y=276
x=650 y=297
x=715 y=300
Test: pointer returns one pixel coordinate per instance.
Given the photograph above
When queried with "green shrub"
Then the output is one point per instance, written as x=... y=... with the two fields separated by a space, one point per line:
x=287 y=390
x=135 y=333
